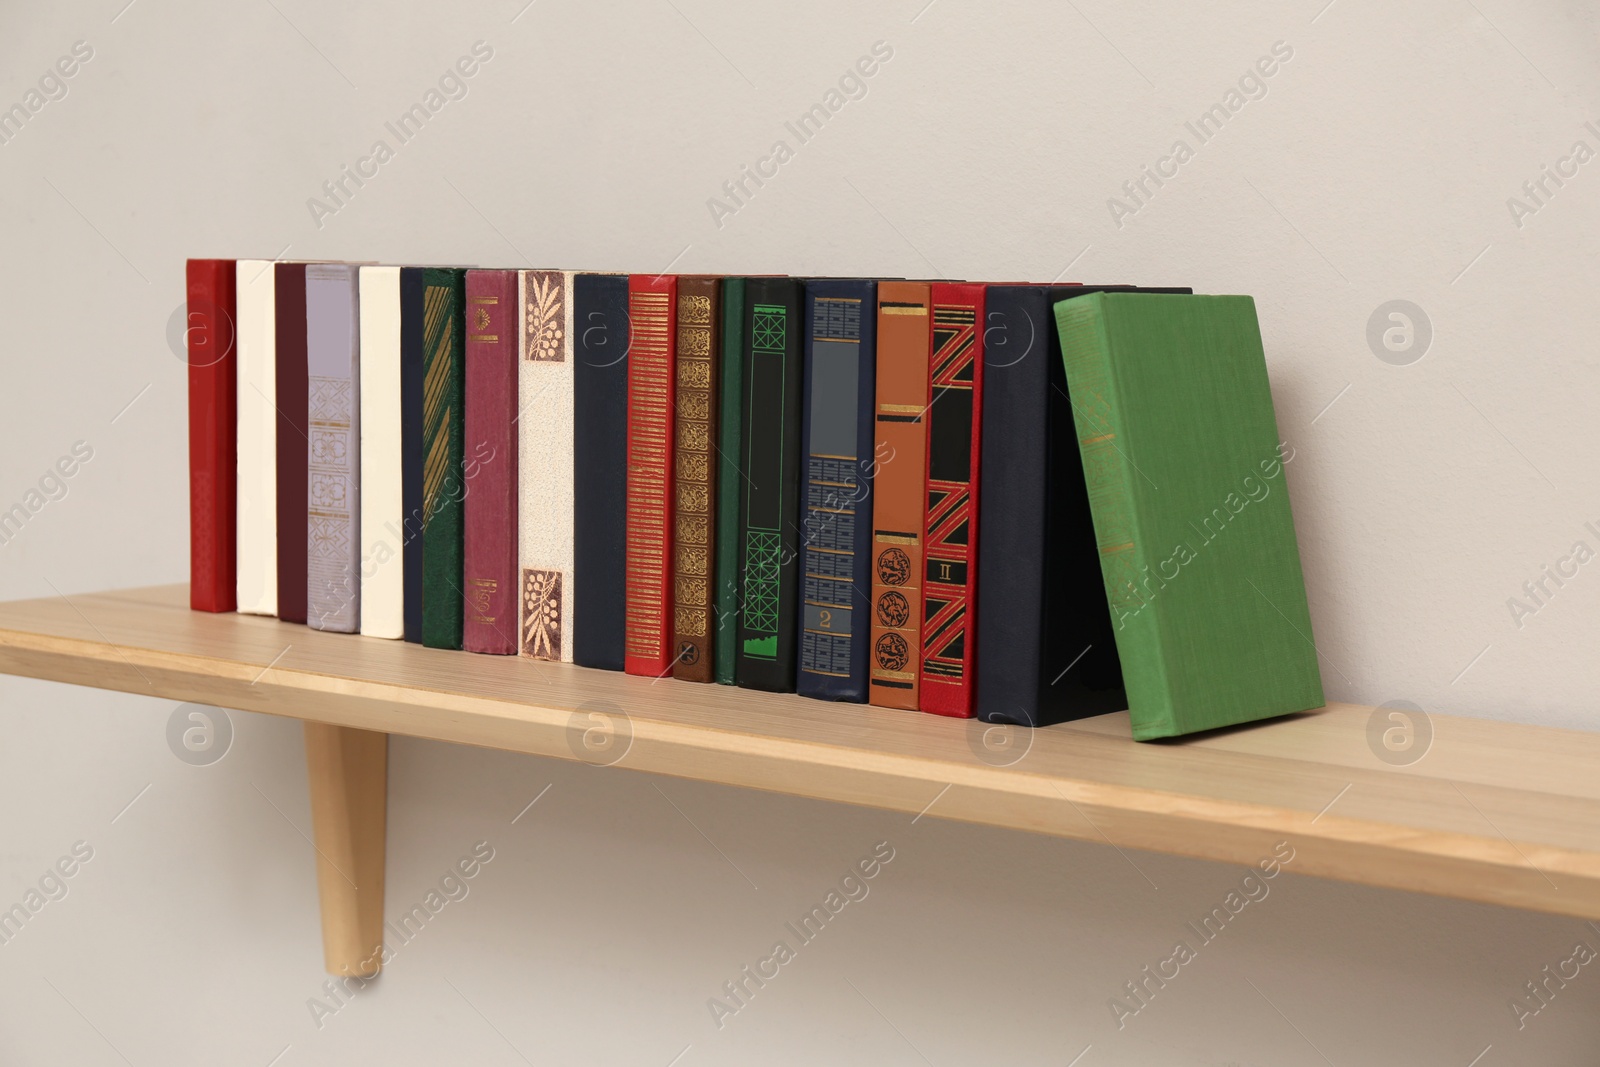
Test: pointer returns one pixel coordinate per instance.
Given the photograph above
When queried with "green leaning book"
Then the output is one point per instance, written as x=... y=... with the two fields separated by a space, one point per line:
x=444 y=378
x=1187 y=487
x=729 y=479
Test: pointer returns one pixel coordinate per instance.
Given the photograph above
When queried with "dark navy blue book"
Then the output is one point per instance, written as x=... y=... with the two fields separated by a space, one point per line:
x=411 y=494
x=1046 y=649
x=836 y=489
x=600 y=467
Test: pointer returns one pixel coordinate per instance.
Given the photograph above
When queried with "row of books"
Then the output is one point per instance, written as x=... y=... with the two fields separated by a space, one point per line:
x=943 y=496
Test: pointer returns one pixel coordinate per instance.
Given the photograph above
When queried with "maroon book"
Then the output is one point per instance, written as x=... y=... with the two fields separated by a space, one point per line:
x=213 y=432
x=489 y=570
x=293 y=389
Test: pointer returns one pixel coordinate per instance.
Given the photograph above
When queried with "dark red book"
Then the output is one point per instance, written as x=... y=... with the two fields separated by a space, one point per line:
x=489 y=570
x=292 y=439
x=647 y=618
x=212 y=434
x=949 y=588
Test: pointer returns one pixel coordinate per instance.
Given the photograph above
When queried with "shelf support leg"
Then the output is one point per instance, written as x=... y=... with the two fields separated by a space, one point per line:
x=348 y=770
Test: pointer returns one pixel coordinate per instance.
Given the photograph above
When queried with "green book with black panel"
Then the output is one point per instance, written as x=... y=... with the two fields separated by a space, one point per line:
x=1188 y=490
x=774 y=357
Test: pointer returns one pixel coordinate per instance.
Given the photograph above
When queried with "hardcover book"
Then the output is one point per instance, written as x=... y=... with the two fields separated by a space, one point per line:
x=443 y=444
x=1047 y=650
x=955 y=415
x=489 y=505
x=256 y=530
x=694 y=547
x=545 y=430
x=213 y=364
x=600 y=468
x=730 y=480
x=382 y=510
x=899 y=501
x=1186 y=483
x=413 y=315
x=290 y=439
x=769 y=516
x=836 y=535
x=333 y=450
x=652 y=311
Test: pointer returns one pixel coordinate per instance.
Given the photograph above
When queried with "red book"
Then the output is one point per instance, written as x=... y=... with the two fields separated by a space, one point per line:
x=293 y=389
x=647 y=620
x=212 y=434
x=489 y=570
x=949 y=589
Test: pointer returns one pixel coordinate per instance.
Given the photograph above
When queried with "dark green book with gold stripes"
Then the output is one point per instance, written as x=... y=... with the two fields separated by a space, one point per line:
x=443 y=484
x=770 y=504
x=730 y=481
x=1187 y=486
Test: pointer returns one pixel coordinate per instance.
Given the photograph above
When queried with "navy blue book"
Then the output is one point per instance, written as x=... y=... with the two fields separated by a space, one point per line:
x=836 y=509
x=600 y=468
x=769 y=514
x=411 y=495
x=1046 y=649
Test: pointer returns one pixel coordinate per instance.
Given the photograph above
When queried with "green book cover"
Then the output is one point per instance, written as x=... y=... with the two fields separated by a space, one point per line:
x=729 y=479
x=1188 y=491
x=443 y=437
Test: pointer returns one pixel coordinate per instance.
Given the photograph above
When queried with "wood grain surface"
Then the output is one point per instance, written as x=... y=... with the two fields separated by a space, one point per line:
x=1494 y=812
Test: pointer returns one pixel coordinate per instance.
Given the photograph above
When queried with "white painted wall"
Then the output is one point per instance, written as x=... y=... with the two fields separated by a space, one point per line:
x=1377 y=167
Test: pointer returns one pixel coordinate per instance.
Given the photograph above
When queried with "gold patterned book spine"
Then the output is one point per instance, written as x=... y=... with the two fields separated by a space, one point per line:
x=545 y=468
x=647 y=635
x=699 y=342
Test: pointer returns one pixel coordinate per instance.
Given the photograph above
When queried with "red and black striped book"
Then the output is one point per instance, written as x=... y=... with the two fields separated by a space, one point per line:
x=647 y=625
x=949 y=588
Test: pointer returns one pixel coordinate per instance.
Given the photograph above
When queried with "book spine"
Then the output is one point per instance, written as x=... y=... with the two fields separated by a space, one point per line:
x=900 y=450
x=489 y=476
x=652 y=311
x=443 y=339
x=600 y=468
x=546 y=465
x=213 y=368
x=730 y=480
x=836 y=543
x=1098 y=423
x=695 y=542
x=333 y=449
x=1011 y=524
x=257 y=482
x=382 y=511
x=955 y=435
x=290 y=439
x=409 y=532
x=1080 y=673
x=773 y=377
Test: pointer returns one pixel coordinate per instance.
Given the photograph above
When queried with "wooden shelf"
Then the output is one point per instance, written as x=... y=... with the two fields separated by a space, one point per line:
x=1494 y=812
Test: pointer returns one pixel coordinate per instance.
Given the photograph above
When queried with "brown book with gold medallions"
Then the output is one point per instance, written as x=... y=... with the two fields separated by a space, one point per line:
x=898 y=492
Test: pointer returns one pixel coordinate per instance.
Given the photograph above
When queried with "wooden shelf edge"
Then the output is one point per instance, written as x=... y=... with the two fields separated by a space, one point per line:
x=1128 y=795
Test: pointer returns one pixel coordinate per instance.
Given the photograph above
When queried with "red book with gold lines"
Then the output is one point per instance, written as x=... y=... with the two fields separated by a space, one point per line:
x=647 y=627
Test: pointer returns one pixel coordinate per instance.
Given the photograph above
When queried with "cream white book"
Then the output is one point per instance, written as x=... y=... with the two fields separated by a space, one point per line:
x=382 y=563
x=256 y=530
x=544 y=463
